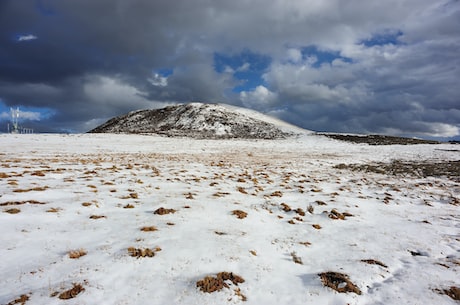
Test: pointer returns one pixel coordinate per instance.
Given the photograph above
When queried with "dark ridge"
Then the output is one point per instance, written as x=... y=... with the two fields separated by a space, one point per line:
x=378 y=139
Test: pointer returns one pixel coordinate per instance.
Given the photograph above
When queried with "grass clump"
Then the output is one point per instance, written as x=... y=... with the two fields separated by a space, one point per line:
x=339 y=282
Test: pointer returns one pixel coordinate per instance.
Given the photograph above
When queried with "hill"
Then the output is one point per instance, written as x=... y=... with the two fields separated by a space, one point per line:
x=198 y=120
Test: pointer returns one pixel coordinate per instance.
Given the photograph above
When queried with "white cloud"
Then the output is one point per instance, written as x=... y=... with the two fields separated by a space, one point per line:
x=27 y=37
x=158 y=80
x=110 y=91
x=260 y=98
x=244 y=67
x=23 y=116
x=294 y=55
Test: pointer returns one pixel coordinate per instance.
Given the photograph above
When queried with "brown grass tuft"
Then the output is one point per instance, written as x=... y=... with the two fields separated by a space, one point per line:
x=240 y=214
x=86 y=204
x=453 y=292
x=149 y=229
x=339 y=282
x=12 y=211
x=53 y=210
x=138 y=252
x=374 y=262
x=74 y=254
x=72 y=292
x=97 y=216
x=21 y=300
x=316 y=226
x=163 y=211
x=128 y=206
x=210 y=284
x=276 y=194
x=286 y=207
x=296 y=259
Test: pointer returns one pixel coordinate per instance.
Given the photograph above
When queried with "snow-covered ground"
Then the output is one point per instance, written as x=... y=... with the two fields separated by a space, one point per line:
x=95 y=192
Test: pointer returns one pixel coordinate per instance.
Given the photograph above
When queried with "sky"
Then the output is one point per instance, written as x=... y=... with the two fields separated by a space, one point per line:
x=357 y=66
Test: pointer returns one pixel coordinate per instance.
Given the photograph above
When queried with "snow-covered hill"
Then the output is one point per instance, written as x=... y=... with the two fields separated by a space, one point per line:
x=198 y=120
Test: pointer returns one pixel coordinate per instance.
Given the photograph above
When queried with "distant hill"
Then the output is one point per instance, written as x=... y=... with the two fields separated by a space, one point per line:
x=204 y=121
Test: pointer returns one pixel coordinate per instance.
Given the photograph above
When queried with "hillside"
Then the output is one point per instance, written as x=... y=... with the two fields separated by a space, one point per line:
x=197 y=120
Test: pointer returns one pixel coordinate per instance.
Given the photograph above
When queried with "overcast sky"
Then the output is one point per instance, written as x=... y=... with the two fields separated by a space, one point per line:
x=359 y=66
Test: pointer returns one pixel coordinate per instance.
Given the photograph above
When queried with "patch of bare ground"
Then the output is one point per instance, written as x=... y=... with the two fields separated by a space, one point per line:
x=21 y=300
x=422 y=169
x=239 y=214
x=72 y=292
x=97 y=216
x=163 y=211
x=53 y=210
x=128 y=206
x=316 y=226
x=339 y=282
x=374 y=262
x=75 y=254
x=222 y=280
x=453 y=292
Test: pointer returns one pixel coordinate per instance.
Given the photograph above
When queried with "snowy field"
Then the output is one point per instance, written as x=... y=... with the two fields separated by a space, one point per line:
x=82 y=222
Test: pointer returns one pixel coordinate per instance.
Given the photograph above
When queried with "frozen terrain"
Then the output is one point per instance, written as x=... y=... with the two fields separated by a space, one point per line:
x=275 y=213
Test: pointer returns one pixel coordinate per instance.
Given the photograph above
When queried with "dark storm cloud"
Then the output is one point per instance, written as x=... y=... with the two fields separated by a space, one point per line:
x=355 y=66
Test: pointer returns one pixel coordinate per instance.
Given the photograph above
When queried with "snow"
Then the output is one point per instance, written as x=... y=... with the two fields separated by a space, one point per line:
x=407 y=223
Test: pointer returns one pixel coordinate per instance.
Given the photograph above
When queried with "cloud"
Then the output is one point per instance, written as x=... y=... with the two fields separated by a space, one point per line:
x=260 y=98
x=26 y=37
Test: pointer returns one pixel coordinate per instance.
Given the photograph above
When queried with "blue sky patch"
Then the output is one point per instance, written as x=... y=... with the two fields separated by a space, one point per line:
x=247 y=67
x=381 y=39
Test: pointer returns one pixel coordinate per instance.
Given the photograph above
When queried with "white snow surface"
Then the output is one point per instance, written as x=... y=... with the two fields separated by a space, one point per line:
x=407 y=223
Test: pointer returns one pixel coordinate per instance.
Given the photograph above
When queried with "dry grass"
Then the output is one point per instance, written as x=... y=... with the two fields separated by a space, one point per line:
x=21 y=300
x=276 y=194
x=86 y=204
x=145 y=252
x=339 y=282
x=210 y=284
x=286 y=207
x=453 y=292
x=128 y=206
x=334 y=214
x=240 y=214
x=374 y=262
x=36 y=189
x=316 y=226
x=53 y=210
x=149 y=229
x=74 y=254
x=72 y=292
x=296 y=259
x=97 y=216
x=12 y=211
x=21 y=202
x=163 y=211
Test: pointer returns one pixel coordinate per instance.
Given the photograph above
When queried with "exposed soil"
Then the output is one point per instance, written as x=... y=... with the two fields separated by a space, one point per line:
x=240 y=214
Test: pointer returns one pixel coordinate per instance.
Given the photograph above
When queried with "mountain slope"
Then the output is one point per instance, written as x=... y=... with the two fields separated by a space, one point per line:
x=197 y=120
